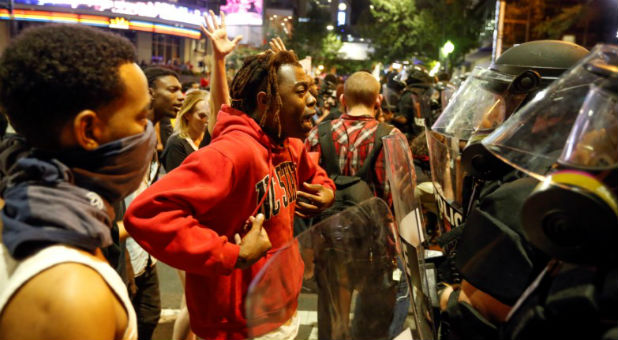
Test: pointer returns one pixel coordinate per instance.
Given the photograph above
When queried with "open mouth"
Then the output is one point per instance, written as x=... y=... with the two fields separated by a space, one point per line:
x=307 y=121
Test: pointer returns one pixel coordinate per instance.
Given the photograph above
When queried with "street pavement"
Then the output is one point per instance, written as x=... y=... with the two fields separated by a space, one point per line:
x=171 y=293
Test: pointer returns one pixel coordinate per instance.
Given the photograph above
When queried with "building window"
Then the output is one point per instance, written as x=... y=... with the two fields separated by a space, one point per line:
x=165 y=48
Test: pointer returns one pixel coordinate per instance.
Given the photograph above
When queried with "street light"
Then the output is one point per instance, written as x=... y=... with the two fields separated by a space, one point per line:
x=330 y=27
x=448 y=48
x=342 y=6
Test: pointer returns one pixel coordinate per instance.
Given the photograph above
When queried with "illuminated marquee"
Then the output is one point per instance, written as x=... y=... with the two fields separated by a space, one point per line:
x=119 y=23
x=248 y=12
x=101 y=21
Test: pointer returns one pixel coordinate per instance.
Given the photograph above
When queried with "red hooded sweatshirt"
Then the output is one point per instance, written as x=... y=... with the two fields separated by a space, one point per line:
x=189 y=217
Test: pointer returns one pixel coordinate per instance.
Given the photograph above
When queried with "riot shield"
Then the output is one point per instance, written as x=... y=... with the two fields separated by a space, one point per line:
x=349 y=283
x=446 y=94
x=402 y=181
x=448 y=177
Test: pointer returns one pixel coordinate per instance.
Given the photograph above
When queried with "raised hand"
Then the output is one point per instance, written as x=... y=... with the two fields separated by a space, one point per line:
x=277 y=45
x=217 y=33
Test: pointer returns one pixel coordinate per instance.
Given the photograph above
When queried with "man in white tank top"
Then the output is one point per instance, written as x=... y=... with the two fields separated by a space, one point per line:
x=79 y=102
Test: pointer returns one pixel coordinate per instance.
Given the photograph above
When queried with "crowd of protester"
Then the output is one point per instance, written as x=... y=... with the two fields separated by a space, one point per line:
x=109 y=166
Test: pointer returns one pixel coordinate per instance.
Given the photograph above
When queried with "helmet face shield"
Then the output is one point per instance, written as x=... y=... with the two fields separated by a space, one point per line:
x=593 y=141
x=533 y=139
x=481 y=103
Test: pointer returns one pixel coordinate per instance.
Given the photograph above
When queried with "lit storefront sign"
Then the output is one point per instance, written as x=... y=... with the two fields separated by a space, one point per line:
x=240 y=12
x=101 y=21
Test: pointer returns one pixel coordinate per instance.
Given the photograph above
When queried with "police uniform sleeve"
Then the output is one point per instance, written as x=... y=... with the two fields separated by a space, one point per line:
x=493 y=254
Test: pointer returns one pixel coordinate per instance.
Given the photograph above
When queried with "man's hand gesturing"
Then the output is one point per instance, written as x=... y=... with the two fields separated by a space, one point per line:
x=313 y=200
x=254 y=244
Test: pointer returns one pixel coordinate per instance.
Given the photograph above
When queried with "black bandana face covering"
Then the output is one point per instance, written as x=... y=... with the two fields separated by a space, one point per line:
x=116 y=169
x=50 y=201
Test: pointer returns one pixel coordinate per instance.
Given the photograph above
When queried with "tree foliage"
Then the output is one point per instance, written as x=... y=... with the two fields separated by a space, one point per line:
x=554 y=27
x=308 y=37
x=400 y=29
x=527 y=20
x=236 y=59
x=331 y=44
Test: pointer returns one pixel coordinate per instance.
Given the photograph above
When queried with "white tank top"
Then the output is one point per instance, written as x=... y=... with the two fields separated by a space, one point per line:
x=14 y=274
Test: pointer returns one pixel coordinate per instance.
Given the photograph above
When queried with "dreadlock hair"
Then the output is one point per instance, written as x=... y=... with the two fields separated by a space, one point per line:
x=259 y=74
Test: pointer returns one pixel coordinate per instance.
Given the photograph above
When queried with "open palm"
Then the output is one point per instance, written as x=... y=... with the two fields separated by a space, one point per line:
x=217 y=33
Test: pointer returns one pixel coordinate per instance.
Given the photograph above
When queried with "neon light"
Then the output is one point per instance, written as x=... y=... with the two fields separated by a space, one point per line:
x=165 y=29
x=46 y=16
x=251 y=15
x=119 y=23
x=141 y=26
x=93 y=20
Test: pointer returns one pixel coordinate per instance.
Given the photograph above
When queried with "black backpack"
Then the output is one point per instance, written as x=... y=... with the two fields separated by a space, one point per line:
x=351 y=190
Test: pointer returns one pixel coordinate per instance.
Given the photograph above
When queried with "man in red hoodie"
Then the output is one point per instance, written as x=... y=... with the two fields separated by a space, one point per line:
x=253 y=171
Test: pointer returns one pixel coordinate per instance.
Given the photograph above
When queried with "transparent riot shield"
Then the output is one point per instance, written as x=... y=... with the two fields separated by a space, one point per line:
x=448 y=178
x=447 y=94
x=402 y=181
x=350 y=281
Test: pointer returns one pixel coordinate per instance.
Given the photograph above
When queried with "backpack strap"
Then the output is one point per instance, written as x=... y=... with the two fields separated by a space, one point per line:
x=382 y=130
x=327 y=146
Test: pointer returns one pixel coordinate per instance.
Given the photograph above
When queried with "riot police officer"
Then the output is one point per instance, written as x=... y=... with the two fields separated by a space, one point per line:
x=391 y=90
x=568 y=138
x=414 y=104
x=475 y=189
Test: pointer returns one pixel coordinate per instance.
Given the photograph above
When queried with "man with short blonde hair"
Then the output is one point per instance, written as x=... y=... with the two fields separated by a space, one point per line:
x=351 y=146
x=354 y=132
x=361 y=88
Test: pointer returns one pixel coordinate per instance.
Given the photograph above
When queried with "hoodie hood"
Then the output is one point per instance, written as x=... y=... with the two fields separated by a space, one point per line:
x=230 y=120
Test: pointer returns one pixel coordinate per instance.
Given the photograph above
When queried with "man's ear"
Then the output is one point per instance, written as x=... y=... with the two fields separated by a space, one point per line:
x=379 y=100
x=261 y=101
x=342 y=100
x=88 y=129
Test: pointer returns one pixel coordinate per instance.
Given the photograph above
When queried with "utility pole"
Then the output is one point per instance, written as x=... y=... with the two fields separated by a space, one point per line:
x=498 y=30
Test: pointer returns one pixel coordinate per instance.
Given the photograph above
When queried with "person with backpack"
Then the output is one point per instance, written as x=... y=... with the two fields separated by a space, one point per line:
x=350 y=150
x=353 y=153
x=414 y=107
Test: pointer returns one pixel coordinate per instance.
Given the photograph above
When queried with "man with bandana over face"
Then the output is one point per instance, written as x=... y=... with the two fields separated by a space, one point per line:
x=79 y=104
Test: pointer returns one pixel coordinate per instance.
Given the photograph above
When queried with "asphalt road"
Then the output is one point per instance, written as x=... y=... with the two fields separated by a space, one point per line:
x=171 y=293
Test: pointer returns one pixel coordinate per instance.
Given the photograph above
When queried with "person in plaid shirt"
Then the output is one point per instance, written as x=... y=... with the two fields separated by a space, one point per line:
x=354 y=138
x=354 y=131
